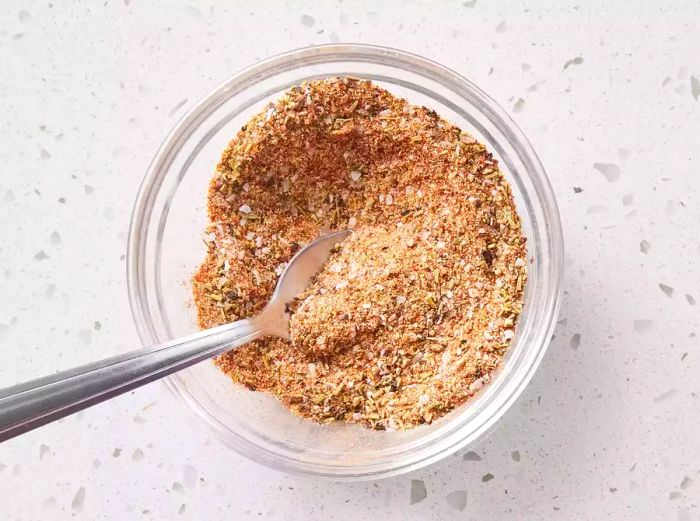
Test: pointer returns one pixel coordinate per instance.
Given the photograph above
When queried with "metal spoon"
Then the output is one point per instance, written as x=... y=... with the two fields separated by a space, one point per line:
x=25 y=406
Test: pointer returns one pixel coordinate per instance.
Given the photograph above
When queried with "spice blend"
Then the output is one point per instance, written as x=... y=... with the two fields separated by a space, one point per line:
x=413 y=312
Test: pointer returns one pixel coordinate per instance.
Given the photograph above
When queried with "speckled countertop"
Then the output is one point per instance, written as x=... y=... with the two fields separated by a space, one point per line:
x=609 y=95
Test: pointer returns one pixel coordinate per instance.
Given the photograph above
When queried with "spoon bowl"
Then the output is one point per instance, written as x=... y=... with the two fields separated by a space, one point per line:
x=295 y=278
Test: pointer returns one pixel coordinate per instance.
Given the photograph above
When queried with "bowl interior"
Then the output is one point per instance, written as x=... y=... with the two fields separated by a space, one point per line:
x=166 y=247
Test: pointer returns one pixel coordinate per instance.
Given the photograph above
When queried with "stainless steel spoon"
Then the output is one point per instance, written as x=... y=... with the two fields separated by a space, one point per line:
x=25 y=406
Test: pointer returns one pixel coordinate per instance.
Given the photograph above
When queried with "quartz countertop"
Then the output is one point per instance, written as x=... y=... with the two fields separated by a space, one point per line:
x=607 y=92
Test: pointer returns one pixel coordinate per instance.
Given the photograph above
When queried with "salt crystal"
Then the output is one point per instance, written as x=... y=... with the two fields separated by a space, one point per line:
x=389 y=199
x=476 y=384
x=366 y=305
x=355 y=175
x=519 y=262
x=400 y=299
x=245 y=209
x=352 y=222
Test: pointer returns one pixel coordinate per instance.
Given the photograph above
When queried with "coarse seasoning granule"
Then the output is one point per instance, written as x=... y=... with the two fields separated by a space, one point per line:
x=413 y=312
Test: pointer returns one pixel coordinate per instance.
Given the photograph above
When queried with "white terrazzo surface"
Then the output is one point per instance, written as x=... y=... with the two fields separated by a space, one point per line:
x=609 y=427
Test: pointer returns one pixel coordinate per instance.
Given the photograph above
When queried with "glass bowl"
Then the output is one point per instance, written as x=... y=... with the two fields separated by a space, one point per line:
x=165 y=247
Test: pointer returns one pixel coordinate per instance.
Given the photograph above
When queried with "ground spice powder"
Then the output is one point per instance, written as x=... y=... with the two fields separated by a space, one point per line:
x=412 y=314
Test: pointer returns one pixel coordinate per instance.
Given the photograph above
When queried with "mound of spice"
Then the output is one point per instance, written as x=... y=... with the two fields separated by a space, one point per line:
x=412 y=314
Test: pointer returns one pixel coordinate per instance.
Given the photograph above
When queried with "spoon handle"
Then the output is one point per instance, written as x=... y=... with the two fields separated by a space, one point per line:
x=29 y=405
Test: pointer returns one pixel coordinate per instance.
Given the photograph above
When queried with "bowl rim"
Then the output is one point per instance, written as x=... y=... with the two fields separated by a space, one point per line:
x=349 y=52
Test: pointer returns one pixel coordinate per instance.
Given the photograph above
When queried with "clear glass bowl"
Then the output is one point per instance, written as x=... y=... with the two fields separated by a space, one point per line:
x=165 y=247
